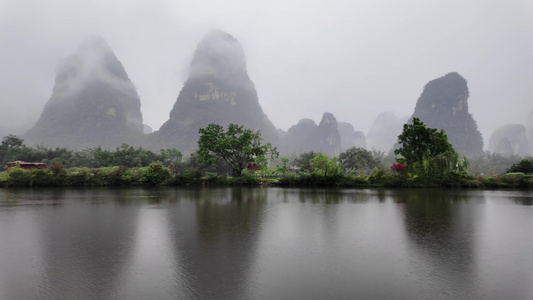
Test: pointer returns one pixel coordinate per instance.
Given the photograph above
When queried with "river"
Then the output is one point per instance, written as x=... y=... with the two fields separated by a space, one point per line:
x=265 y=243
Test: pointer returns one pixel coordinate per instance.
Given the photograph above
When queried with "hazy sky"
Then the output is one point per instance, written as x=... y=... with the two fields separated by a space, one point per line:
x=352 y=58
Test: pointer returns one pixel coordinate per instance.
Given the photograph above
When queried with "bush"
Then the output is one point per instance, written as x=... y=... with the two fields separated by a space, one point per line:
x=525 y=166
x=377 y=175
x=354 y=181
x=243 y=180
x=19 y=178
x=132 y=176
x=154 y=175
x=42 y=178
x=111 y=176
x=79 y=177
x=394 y=180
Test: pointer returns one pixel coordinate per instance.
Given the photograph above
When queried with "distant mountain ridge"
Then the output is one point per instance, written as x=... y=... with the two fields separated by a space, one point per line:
x=94 y=103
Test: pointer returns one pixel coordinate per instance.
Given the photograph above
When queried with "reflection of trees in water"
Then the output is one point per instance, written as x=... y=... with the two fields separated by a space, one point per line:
x=523 y=198
x=85 y=247
x=328 y=195
x=218 y=245
x=322 y=195
x=35 y=197
x=441 y=230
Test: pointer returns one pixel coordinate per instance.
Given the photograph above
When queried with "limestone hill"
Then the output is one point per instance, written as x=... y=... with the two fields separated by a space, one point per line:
x=218 y=90
x=93 y=103
x=443 y=104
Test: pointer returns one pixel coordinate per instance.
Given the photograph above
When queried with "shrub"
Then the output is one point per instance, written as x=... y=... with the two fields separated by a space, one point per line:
x=19 y=178
x=246 y=179
x=154 y=175
x=108 y=176
x=354 y=181
x=131 y=176
x=524 y=166
x=79 y=177
x=42 y=178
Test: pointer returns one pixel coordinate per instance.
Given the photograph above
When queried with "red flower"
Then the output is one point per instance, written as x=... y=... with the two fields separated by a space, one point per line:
x=398 y=168
x=252 y=166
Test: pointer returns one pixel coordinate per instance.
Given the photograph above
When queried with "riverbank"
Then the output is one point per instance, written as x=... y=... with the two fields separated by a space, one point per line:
x=155 y=175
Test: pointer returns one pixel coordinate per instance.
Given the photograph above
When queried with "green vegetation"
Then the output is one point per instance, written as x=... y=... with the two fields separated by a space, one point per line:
x=429 y=156
x=358 y=161
x=438 y=166
x=492 y=164
x=236 y=146
x=525 y=166
x=324 y=166
x=419 y=143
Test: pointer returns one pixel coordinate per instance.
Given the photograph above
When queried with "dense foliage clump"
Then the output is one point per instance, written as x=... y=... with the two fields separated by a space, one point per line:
x=525 y=166
x=127 y=166
x=236 y=146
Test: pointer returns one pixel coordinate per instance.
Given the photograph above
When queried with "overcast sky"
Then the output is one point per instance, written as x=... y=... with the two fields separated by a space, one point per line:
x=352 y=58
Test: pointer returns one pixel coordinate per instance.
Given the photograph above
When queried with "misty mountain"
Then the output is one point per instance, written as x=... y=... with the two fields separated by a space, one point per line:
x=301 y=137
x=529 y=132
x=218 y=90
x=443 y=104
x=328 y=138
x=384 y=132
x=306 y=136
x=349 y=137
x=509 y=139
x=147 y=129
x=93 y=102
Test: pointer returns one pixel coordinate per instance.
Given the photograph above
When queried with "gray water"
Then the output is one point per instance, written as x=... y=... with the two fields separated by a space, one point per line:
x=265 y=243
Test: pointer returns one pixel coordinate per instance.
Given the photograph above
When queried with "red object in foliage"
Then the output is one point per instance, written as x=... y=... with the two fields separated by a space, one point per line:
x=252 y=166
x=399 y=168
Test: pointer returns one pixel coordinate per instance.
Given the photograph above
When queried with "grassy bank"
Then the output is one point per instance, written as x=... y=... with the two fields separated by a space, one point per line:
x=156 y=175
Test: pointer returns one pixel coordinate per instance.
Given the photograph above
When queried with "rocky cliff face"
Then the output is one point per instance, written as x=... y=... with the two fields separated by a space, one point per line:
x=443 y=104
x=509 y=139
x=218 y=90
x=93 y=103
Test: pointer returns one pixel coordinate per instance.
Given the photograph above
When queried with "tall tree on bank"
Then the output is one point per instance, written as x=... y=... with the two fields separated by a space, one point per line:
x=418 y=141
x=427 y=152
x=237 y=146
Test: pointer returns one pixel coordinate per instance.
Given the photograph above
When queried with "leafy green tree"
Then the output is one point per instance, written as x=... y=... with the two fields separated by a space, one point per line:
x=357 y=160
x=303 y=162
x=524 y=166
x=237 y=146
x=284 y=168
x=417 y=141
x=171 y=156
x=12 y=148
x=12 y=141
x=429 y=155
x=325 y=166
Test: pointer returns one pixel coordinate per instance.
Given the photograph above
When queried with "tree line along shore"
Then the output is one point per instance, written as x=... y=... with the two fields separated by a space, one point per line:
x=238 y=156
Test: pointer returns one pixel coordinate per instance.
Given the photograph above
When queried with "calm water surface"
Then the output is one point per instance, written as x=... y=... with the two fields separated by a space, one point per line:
x=265 y=243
